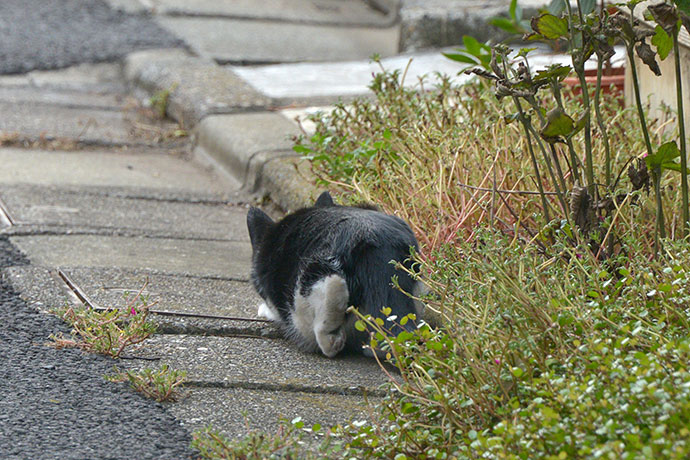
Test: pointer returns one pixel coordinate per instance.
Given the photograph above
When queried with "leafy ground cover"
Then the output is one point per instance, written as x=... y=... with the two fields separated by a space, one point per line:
x=546 y=348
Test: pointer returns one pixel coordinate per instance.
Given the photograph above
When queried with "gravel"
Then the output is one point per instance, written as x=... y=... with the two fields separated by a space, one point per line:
x=56 y=403
x=52 y=34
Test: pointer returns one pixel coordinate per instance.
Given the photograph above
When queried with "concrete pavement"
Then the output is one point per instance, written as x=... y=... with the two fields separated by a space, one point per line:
x=97 y=195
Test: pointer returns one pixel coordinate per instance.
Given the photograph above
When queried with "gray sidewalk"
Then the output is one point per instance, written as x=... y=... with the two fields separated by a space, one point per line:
x=99 y=195
x=100 y=205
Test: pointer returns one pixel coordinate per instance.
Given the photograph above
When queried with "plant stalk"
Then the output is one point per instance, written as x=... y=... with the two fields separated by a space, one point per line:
x=579 y=65
x=681 y=131
x=656 y=175
x=600 y=123
x=535 y=165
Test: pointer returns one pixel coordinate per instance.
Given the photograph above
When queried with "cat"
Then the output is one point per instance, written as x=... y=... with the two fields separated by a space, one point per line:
x=313 y=264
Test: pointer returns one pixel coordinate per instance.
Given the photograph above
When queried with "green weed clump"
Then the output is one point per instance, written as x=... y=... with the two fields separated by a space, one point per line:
x=108 y=331
x=162 y=384
x=292 y=440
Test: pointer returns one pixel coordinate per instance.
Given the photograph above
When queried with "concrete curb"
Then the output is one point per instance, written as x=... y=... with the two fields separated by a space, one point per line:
x=195 y=87
x=233 y=126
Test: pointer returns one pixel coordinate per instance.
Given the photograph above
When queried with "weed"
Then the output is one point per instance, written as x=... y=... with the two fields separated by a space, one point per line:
x=159 y=101
x=161 y=384
x=288 y=442
x=108 y=331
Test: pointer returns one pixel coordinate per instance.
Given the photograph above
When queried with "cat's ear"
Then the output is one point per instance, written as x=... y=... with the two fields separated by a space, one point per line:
x=258 y=223
x=324 y=200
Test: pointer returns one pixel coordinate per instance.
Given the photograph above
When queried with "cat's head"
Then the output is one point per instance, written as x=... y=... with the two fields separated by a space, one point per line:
x=258 y=222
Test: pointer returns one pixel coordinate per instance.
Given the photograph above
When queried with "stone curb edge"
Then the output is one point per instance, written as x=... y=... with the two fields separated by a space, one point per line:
x=234 y=127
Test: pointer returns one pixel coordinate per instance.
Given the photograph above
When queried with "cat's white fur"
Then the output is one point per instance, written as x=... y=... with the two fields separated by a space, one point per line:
x=318 y=318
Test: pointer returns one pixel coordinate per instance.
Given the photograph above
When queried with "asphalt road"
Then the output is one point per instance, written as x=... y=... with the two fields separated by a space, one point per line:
x=52 y=34
x=55 y=404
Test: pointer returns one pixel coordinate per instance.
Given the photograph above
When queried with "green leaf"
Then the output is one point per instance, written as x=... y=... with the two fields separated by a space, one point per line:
x=506 y=25
x=301 y=149
x=550 y=26
x=524 y=52
x=662 y=41
x=558 y=125
x=515 y=11
x=557 y=71
x=360 y=326
x=472 y=45
x=436 y=346
x=462 y=57
x=517 y=372
x=664 y=157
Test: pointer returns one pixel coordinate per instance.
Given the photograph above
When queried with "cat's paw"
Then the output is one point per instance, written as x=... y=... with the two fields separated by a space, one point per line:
x=332 y=344
x=267 y=312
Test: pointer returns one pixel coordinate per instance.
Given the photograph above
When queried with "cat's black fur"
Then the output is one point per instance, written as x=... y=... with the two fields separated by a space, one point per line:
x=325 y=248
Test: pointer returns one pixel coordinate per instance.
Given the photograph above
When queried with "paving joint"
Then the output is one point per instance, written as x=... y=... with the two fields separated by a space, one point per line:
x=23 y=229
x=390 y=21
x=287 y=388
x=214 y=328
x=5 y=215
x=76 y=290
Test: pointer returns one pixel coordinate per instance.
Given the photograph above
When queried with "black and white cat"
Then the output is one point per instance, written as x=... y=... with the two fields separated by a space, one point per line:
x=313 y=264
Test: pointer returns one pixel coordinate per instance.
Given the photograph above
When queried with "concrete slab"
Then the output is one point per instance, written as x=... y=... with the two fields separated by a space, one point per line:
x=197 y=87
x=236 y=411
x=239 y=41
x=50 y=206
x=107 y=286
x=236 y=140
x=292 y=82
x=340 y=12
x=102 y=78
x=213 y=259
x=64 y=98
x=44 y=290
x=85 y=120
x=270 y=364
x=101 y=127
x=119 y=169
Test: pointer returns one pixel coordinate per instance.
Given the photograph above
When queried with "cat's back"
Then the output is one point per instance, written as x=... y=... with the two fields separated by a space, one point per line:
x=313 y=229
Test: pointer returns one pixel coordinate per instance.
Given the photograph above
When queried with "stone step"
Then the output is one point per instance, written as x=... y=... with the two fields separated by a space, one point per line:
x=58 y=209
x=262 y=41
x=316 y=83
x=338 y=12
x=204 y=258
